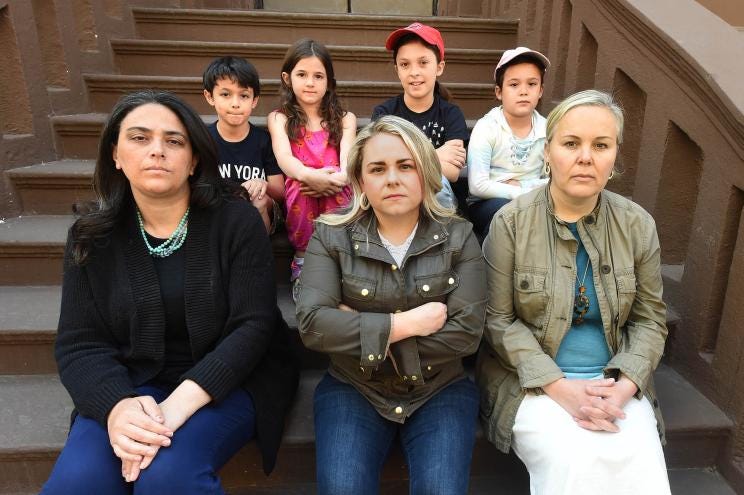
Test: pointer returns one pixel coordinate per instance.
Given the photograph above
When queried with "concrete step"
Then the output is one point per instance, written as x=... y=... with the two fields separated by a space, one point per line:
x=32 y=247
x=35 y=418
x=190 y=58
x=53 y=187
x=28 y=326
x=360 y=97
x=683 y=482
x=255 y=26
x=78 y=135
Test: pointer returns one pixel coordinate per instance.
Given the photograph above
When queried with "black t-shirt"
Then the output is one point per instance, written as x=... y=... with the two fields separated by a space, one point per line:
x=442 y=122
x=251 y=158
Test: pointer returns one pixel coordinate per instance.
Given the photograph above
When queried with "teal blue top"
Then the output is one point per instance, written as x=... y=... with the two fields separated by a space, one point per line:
x=583 y=352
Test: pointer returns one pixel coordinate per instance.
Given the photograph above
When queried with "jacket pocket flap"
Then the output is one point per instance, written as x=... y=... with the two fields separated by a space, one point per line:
x=626 y=283
x=359 y=288
x=529 y=281
x=437 y=284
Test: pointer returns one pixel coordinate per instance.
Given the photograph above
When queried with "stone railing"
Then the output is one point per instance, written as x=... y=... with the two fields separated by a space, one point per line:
x=677 y=69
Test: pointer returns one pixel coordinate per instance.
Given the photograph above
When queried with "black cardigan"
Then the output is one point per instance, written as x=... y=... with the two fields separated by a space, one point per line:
x=111 y=328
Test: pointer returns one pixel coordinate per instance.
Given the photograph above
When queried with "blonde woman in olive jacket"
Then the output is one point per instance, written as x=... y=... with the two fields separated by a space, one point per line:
x=575 y=320
x=394 y=290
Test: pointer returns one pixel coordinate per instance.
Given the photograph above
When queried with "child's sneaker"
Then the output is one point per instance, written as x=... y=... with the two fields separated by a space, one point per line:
x=295 y=290
x=294 y=278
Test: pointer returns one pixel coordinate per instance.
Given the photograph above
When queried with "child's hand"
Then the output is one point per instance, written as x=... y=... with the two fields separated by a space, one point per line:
x=317 y=183
x=256 y=188
x=451 y=153
x=452 y=159
x=340 y=175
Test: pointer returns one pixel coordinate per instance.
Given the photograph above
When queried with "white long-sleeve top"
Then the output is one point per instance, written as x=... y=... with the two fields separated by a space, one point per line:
x=492 y=158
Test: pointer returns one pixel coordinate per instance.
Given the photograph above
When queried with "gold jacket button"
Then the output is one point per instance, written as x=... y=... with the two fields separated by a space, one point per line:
x=425 y=288
x=451 y=281
x=371 y=357
x=365 y=292
x=394 y=267
x=379 y=356
x=436 y=237
x=356 y=246
x=398 y=410
x=414 y=377
x=428 y=368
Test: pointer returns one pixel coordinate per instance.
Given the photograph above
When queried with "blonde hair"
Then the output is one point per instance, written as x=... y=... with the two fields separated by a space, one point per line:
x=590 y=97
x=427 y=165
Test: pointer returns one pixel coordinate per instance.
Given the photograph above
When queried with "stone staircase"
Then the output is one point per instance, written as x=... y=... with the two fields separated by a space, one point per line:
x=173 y=47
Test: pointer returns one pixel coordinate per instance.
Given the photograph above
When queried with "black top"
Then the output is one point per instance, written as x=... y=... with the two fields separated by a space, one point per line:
x=251 y=158
x=111 y=334
x=442 y=122
x=178 y=357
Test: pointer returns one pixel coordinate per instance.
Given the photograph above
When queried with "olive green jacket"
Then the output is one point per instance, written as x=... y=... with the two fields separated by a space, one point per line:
x=348 y=264
x=531 y=258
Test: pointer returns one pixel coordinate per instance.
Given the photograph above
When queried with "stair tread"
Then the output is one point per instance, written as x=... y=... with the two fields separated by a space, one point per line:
x=129 y=44
x=58 y=168
x=35 y=410
x=236 y=16
x=684 y=407
x=93 y=79
x=28 y=309
x=46 y=230
x=36 y=413
x=35 y=309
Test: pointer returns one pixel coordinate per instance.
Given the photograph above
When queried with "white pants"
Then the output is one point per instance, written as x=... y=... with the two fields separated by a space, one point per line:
x=565 y=459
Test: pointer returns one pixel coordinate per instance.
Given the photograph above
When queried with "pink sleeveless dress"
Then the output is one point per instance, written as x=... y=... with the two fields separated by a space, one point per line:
x=313 y=150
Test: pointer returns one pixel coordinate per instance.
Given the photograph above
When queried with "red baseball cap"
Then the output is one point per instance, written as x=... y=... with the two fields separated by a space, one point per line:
x=426 y=33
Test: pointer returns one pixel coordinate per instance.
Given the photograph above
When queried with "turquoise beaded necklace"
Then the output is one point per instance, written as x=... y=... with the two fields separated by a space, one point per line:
x=175 y=240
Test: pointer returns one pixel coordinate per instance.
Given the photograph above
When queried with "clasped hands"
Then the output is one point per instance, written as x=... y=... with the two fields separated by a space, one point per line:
x=317 y=183
x=138 y=427
x=594 y=404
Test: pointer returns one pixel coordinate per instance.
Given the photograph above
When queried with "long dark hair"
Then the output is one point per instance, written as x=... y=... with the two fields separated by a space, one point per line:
x=331 y=111
x=407 y=38
x=113 y=193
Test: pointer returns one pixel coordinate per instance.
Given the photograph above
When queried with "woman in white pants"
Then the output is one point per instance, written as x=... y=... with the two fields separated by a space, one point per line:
x=576 y=322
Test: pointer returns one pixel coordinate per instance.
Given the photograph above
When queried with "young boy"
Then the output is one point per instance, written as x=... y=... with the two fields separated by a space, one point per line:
x=505 y=154
x=232 y=87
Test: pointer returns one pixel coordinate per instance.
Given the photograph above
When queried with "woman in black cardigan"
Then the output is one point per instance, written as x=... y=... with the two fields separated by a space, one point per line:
x=170 y=341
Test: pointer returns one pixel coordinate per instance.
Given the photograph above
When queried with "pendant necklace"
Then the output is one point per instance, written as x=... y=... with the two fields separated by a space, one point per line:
x=581 y=301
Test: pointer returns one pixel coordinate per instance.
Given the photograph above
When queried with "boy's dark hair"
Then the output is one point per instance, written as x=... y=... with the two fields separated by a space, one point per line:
x=236 y=69
x=521 y=59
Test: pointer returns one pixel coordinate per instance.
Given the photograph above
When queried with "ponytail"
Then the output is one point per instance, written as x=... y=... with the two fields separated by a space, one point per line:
x=442 y=91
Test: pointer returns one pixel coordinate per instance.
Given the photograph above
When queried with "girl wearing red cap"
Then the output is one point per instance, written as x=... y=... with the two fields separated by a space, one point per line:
x=418 y=54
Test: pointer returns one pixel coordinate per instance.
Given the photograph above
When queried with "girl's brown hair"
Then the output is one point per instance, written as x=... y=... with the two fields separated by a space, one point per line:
x=414 y=38
x=331 y=111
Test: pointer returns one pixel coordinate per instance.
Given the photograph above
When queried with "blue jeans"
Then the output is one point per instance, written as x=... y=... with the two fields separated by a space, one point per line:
x=481 y=213
x=87 y=464
x=352 y=440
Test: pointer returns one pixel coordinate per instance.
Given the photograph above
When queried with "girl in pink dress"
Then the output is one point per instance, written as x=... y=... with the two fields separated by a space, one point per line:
x=311 y=135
